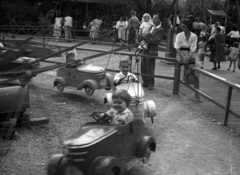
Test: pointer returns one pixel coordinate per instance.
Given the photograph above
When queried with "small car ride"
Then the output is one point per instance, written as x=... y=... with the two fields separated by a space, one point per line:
x=83 y=76
x=99 y=148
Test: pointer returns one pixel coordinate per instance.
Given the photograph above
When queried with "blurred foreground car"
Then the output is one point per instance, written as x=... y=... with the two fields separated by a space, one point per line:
x=99 y=148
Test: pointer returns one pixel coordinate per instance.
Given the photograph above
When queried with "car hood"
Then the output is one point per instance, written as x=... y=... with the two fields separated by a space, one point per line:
x=90 y=68
x=25 y=60
x=90 y=133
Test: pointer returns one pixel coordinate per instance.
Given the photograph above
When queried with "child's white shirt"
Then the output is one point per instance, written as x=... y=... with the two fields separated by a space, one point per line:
x=146 y=27
x=130 y=77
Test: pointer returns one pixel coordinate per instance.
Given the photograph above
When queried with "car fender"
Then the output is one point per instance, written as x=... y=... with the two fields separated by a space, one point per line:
x=149 y=109
x=59 y=80
x=143 y=143
x=110 y=78
x=53 y=167
x=91 y=83
x=104 y=164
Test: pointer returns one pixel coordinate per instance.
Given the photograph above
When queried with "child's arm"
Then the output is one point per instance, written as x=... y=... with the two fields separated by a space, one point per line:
x=134 y=78
x=118 y=79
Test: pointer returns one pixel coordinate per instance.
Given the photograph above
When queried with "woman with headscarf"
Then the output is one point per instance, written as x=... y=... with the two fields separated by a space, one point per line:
x=185 y=45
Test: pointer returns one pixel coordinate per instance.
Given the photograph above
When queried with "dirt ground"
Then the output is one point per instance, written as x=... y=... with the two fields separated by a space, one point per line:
x=188 y=141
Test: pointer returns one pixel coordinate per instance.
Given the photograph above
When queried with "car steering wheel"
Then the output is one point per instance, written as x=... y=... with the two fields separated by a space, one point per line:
x=100 y=116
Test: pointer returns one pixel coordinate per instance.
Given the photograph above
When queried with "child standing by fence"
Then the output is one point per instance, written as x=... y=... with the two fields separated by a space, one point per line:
x=233 y=55
x=202 y=45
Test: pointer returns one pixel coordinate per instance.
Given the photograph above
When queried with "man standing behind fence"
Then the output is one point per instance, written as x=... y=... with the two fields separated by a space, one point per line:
x=67 y=27
x=148 y=64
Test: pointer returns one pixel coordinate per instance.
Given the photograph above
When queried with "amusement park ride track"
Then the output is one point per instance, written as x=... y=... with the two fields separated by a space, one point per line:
x=24 y=72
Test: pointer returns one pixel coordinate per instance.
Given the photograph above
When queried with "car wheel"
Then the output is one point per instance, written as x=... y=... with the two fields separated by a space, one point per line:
x=60 y=86
x=53 y=165
x=147 y=155
x=24 y=81
x=108 y=87
x=88 y=90
x=146 y=144
x=72 y=170
x=107 y=166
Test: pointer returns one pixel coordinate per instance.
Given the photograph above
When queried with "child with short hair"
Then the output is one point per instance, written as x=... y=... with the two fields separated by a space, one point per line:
x=144 y=30
x=124 y=76
x=234 y=51
x=120 y=114
x=202 y=47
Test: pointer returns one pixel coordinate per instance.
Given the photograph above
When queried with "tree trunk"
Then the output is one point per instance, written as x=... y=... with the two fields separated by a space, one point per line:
x=204 y=12
x=238 y=13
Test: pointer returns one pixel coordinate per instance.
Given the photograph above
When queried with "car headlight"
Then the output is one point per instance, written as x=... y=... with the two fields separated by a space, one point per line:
x=149 y=108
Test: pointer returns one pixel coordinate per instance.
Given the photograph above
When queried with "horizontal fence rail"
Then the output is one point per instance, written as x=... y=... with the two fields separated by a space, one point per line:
x=223 y=94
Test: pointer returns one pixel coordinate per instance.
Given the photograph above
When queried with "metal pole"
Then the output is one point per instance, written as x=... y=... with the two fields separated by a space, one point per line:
x=176 y=81
x=228 y=102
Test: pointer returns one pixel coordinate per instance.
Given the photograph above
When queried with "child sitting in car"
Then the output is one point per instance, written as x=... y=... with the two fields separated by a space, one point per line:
x=120 y=114
x=73 y=58
x=124 y=76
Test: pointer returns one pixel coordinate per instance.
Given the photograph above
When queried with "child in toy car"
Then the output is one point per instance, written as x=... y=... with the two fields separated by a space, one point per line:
x=124 y=76
x=71 y=58
x=119 y=114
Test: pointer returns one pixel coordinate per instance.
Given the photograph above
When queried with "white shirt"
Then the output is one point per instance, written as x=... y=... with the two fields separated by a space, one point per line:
x=155 y=27
x=68 y=21
x=222 y=29
x=121 y=24
x=130 y=77
x=181 y=41
x=233 y=34
x=146 y=27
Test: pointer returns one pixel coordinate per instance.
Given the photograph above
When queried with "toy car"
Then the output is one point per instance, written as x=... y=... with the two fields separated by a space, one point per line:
x=85 y=76
x=99 y=148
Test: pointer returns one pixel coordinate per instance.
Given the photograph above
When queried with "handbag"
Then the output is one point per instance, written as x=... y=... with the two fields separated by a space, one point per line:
x=184 y=61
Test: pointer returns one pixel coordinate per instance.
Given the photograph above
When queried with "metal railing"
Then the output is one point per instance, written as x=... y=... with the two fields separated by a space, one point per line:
x=222 y=98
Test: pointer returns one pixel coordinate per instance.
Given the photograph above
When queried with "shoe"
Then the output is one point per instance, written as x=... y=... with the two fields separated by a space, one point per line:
x=233 y=70
x=201 y=67
x=219 y=67
x=214 y=68
x=198 y=100
x=228 y=69
x=150 y=88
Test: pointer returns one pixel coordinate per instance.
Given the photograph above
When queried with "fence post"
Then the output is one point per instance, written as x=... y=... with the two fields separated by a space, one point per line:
x=130 y=59
x=176 y=81
x=228 y=102
x=44 y=42
x=3 y=35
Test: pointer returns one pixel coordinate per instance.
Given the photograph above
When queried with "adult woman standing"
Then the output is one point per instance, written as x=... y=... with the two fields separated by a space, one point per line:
x=95 y=28
x=121 y=30
x=217 y=52
x=185 y=45
x=57 y=27
x=68 y=24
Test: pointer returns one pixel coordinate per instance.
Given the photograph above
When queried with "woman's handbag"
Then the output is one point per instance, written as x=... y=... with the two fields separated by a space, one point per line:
x=186 y=60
